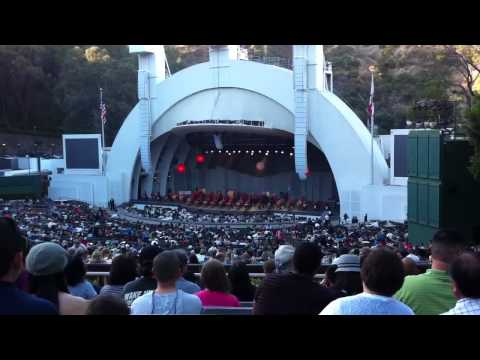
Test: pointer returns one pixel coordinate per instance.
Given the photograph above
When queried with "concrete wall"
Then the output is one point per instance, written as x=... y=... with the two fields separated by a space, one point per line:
x=88 y=188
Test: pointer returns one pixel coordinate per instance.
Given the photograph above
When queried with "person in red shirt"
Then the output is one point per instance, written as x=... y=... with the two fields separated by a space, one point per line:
x=216 y=286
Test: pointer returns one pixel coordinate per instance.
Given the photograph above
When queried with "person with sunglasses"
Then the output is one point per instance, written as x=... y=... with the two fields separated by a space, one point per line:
x=14 y=301
x=167 y=299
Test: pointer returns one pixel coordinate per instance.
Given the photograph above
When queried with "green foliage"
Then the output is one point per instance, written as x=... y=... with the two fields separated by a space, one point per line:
x=55 y=88
x=473 y=130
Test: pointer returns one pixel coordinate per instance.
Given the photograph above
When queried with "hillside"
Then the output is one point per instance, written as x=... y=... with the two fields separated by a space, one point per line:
x=52 y=89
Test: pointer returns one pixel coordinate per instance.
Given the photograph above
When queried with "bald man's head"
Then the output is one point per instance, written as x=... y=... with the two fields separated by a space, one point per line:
x=409 y=266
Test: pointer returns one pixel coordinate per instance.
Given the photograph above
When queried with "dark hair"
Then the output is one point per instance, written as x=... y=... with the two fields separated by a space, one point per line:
x=146 y=257
x=75 y=271
x=213 y=276
x=166 y=266
x=307 y=258
x=465 y=272
x=47 y=287
x=193 y=259
x=382 y=272
x=240 y=283
x=108 y=305
x=123 y=270
x=182 y=257
x=363 y=254
x=348 y=282
x=330 y=274
x=269 y=266
x=447 y=245
x=11 y=243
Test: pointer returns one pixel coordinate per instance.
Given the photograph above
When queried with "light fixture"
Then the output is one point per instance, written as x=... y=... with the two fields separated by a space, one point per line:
x=276 y=151
x=282 y=152
x=291 y=154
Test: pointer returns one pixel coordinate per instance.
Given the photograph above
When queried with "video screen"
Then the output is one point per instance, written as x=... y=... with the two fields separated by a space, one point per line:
x=81 y=154
x=400 y=155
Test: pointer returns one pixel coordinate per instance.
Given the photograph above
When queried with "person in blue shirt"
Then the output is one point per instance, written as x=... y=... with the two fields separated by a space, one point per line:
x=77 y=284
x=182 y=283
x=13 y=249
x=382 y=276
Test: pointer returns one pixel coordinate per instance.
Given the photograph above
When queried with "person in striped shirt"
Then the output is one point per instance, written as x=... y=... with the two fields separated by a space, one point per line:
x=465 y=273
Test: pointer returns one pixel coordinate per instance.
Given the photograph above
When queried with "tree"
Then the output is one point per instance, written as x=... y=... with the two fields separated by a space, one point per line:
x=466 y=60
x=473 y=130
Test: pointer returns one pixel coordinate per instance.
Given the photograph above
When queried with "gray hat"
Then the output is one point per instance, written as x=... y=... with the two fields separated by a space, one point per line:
x=46 y=259
x=347 y=262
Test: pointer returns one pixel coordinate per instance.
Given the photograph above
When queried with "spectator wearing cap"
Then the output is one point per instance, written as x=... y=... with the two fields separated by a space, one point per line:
x=182 y=283
x=13 y=301
x=347 y=275
x=46 y=264
x=465 y=274
x=382 y=275
x=166 y=299
x=108 y=305
x=146 y=282
x=284 y=259
x=295 y=292
x=122 y=271
x=431 y=293
x=75 y=272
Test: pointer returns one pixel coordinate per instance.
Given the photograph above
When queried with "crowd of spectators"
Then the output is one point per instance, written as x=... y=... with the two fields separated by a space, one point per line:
x=44 y=248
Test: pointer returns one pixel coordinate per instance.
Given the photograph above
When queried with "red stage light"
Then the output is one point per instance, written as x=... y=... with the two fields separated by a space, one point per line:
x=181 y=168
x=260 y=166
x=308 y=173
x=200 y=159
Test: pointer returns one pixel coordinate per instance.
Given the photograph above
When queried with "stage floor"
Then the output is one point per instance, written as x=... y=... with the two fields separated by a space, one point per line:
x=222 y=210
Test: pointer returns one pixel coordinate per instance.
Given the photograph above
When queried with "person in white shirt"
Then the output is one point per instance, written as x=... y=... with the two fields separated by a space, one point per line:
x=167 y=299
x=465 y=273
x=382 y=276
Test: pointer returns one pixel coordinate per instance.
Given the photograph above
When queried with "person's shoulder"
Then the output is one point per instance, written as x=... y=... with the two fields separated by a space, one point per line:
x=71 y=298
x=414 y=281
x=187 y=295
x=38 y=305
x=142 y=299
x=333 y=308
x=130 y=286
x=403 y=308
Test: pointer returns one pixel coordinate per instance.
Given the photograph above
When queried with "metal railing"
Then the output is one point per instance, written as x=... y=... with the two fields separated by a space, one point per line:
x=102 y=274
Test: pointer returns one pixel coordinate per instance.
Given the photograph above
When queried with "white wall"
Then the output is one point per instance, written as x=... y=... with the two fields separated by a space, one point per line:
x=385 y=202
x=91 y=189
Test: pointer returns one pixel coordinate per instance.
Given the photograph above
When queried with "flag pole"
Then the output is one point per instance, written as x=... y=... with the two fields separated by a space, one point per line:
x=101 y=119
x=372 y=125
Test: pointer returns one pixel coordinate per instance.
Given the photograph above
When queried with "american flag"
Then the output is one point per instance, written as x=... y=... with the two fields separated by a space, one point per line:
x=103 y=114
x=371 y=105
